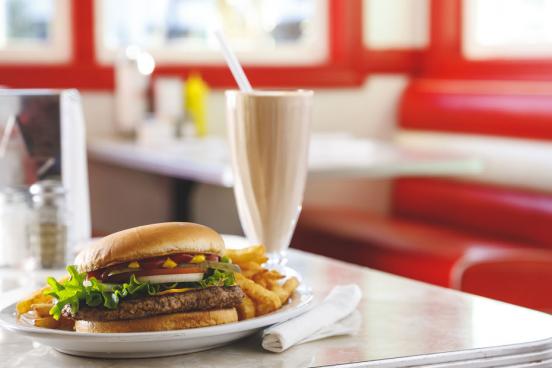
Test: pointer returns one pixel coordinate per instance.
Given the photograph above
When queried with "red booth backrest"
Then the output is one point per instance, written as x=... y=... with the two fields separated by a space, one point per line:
x=499 y=108
x=514 y=109
x=503 y=213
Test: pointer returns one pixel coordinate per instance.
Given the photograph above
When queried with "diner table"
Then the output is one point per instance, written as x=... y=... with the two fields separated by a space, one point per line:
x=405 y=323
x=332 y=155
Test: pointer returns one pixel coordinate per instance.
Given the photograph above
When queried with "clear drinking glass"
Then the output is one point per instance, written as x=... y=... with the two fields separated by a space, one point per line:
x=269 y=139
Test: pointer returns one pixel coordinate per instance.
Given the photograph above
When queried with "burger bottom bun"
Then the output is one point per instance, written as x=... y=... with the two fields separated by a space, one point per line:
x=174 y=321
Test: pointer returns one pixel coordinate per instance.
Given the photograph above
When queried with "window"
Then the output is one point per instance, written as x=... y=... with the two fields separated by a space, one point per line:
x=395 y=24
x=34 y=31
x=261 y=31
x=515 y=29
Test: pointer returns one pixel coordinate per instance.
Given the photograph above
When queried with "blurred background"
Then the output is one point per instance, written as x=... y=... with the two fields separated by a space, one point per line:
x=430 y=156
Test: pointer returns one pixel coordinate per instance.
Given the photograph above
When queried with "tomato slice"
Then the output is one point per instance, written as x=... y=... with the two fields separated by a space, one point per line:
x=212 y=257
x=181 y=257
x=169 y=271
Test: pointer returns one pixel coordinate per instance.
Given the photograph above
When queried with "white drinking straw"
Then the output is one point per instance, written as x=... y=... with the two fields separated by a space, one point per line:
x=233 y=63
x=6 y=136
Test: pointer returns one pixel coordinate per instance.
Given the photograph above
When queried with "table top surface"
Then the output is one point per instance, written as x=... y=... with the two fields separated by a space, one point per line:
x=331 y=155
x=404 y=323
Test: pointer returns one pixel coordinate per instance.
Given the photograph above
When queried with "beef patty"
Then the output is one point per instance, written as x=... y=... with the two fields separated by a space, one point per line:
x=194 y=300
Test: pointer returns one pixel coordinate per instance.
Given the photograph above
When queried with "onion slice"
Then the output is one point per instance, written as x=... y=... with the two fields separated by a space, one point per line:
x=178 y=277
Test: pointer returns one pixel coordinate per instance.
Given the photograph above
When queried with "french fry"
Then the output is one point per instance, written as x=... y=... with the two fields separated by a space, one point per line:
x=261 y=285
x=250 y=269
x=278 y=290
x=36 y=297
x=23 y=306
x=246 y=309
x=265 y=276
x=254 y=254
x=42 y=309
x=252 y=266
x=273 y=275
x=46 y=322
x=33 y=319
x=283 y=291
x=290 y=285
x=265 y=300
x=35 y=310
x=249 y=273
x=260 y=278
x=261 y=260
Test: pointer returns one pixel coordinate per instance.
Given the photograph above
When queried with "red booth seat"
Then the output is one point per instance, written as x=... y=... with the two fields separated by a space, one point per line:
x=518 y=276
x=404 y=247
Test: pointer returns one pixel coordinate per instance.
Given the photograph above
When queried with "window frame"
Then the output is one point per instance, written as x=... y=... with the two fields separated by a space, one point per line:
x=445 y=57
x=57 y=51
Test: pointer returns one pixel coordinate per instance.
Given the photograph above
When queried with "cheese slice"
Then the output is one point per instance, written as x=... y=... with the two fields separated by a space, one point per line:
x=171 y=291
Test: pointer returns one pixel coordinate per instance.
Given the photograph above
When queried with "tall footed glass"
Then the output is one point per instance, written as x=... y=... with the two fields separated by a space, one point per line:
x=269 y=139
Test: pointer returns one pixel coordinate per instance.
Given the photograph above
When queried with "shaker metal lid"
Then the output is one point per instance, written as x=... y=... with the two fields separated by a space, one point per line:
x=47 y=187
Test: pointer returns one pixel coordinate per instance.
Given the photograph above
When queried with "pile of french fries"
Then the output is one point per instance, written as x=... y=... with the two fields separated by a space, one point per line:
x=35 y=311
x=265 y=290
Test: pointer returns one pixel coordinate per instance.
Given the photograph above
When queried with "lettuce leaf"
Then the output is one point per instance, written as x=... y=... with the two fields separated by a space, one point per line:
x=77 y=290
x=218 y=278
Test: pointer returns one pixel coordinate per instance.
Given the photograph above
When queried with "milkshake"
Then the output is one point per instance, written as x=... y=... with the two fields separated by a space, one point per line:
x=269 y=138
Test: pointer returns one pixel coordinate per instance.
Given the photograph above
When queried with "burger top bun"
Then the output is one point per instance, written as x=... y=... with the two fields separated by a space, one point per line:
x=149 y=241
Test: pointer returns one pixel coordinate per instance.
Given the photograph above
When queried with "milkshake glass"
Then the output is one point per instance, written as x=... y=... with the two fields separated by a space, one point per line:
x=269 y=139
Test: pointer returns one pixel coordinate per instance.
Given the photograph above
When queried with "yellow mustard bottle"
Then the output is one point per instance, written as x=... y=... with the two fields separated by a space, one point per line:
x=196 y=98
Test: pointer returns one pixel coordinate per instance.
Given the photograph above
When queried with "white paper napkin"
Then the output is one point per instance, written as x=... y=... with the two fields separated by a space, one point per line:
x=334 y=316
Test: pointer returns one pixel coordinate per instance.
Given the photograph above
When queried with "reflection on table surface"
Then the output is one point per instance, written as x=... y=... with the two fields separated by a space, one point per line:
x=400 y=318
x=331 y=155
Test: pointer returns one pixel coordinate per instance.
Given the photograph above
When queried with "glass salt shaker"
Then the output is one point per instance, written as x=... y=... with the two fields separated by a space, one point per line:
x=13 y=222
x=48 y=227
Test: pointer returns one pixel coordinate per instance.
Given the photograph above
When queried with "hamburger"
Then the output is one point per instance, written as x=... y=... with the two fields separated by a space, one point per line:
x=156 y=277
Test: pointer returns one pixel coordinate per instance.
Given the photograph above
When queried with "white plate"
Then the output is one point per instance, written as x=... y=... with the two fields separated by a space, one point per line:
x=148 y=344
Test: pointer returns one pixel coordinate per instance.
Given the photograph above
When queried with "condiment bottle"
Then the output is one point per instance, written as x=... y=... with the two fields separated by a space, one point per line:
x=48 y=227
